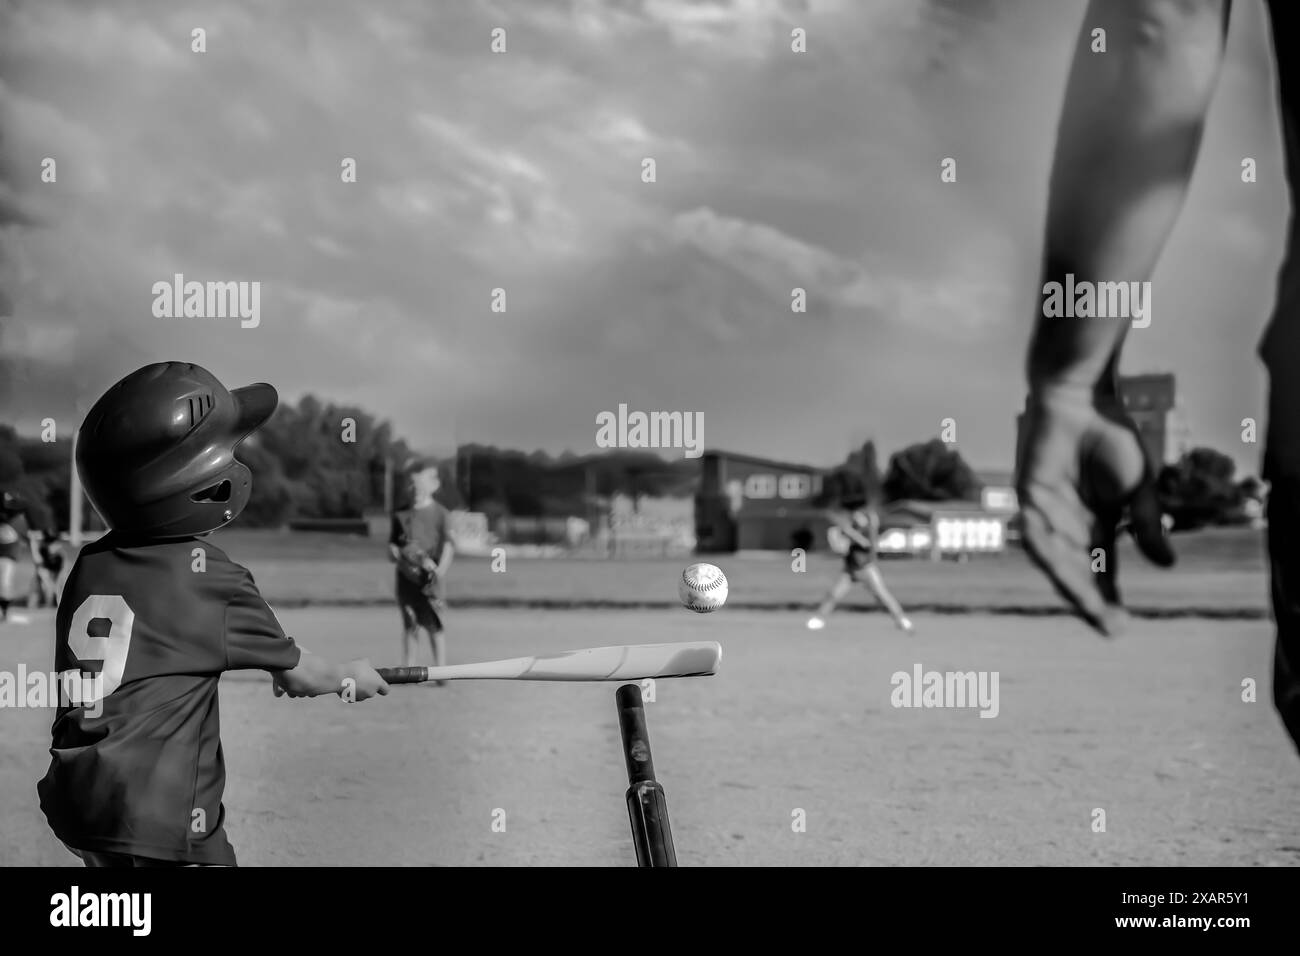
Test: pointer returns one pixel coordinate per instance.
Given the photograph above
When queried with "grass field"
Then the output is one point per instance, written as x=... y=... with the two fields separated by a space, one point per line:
x=1221 y=573
x=1151 y=728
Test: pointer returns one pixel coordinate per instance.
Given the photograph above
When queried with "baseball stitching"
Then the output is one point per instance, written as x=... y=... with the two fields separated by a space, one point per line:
x=713 y=585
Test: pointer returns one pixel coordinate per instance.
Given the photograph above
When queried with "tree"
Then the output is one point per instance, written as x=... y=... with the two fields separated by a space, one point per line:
x=537 y=483
x=1199 y=490
x=11 y=465
x=307 y=468
x=1251 y=487
x=930 y=471
x=37 y=473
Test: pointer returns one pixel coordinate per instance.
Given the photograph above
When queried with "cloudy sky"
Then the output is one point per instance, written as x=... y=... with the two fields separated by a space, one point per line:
x=522 y=171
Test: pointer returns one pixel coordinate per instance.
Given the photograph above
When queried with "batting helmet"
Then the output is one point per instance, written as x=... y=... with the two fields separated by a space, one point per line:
x=156 y=453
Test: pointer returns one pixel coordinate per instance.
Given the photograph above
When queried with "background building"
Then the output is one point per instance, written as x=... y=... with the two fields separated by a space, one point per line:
x=939 y=529
x=747 y=503
x=997 y=491
x=1149 y=399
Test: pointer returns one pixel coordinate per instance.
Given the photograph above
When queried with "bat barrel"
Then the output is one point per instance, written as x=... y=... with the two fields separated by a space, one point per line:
x=647 y=805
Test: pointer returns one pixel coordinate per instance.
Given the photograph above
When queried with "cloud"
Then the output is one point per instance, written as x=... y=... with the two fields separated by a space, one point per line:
x=80 y=37
x=951 y=300
x=522 y=171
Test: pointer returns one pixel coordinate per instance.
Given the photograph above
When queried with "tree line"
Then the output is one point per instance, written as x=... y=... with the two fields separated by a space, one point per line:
x=317 y=459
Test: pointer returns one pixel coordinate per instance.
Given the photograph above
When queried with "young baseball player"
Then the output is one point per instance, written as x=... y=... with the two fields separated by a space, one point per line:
x=847 y=508
x=420 y=544
x=17 y=541
x=154 y=614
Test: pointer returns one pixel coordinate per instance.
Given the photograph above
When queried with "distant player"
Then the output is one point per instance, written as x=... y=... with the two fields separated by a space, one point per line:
x=852 y=518
x=50 y=562
x=420 y=544
x=17 y=543
x=152 y=615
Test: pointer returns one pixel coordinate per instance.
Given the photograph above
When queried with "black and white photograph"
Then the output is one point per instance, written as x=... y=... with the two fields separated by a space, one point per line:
x=652 y=433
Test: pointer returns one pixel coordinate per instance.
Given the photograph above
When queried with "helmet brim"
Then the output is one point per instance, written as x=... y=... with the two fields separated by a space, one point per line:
x=254 y=404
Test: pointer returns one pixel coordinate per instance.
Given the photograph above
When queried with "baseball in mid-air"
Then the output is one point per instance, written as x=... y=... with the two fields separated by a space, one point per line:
x=702 y=588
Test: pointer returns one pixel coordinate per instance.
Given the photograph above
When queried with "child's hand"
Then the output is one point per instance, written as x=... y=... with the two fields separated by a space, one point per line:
x=282 y=683
x=315 y=676
x=361 y=681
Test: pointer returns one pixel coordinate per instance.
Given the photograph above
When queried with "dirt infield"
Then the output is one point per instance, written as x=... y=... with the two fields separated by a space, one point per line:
x=1151 y=728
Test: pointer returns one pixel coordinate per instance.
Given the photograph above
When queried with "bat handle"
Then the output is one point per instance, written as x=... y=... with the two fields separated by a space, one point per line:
x=647 y=806
x=636 y=738
x=404 y=675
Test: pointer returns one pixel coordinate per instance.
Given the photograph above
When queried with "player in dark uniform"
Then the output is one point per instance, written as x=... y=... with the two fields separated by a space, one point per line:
x=420 y=544
x=855 y=523
x=50 y=562
x=17 y=543
x=1129 y=135
x=154 y=613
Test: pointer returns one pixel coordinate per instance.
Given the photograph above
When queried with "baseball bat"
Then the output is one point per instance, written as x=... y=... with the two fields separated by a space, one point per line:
x=858 y=538
x=626 y=662
x=647 y=807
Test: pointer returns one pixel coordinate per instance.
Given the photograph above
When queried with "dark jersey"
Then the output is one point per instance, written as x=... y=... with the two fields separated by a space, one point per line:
x=858 y=556
x=419 y=533
x=51 y=554
x=138 y=767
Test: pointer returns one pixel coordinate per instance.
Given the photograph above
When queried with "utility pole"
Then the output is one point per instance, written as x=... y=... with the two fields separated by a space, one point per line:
x=388 y=483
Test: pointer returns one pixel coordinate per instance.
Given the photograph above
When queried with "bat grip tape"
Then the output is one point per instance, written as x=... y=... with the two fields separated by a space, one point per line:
x=404 y=675
x=636 y=739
